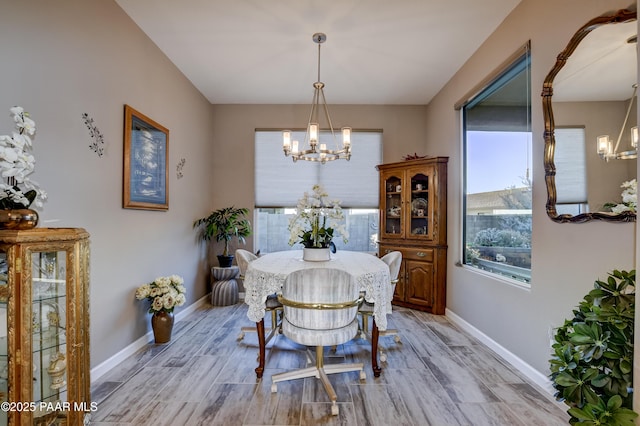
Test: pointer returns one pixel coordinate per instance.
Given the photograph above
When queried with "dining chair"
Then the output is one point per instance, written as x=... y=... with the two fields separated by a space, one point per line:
x=393 y=260
x=320 y=309
x=243 y=258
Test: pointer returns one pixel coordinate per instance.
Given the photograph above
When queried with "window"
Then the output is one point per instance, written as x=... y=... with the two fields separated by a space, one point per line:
x=280 y=182
x=497 y=167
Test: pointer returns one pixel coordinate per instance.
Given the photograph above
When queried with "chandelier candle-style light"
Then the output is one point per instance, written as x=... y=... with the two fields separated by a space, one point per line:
x=607 y=151
x=311 y=149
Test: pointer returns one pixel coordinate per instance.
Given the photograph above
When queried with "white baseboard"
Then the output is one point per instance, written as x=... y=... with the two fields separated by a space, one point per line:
x=531 y=373
x=104 y=367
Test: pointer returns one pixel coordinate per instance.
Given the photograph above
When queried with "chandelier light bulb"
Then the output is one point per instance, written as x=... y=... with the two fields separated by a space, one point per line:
x=604 y=145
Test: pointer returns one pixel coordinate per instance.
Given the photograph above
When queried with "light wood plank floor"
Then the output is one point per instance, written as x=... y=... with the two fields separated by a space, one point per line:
x=437 y=376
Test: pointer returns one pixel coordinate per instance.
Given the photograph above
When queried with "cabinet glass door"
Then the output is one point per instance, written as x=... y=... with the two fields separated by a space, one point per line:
x=48 y=326
x=392 y=224
x=4 y=358
x=419 y=208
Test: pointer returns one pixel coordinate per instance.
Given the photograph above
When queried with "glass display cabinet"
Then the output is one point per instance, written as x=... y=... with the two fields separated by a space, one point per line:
x=413 y=220
x=44 y=327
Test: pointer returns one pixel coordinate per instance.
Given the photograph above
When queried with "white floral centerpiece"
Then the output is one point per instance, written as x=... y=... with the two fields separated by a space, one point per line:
x=18 y=191
x=164 y=293
x=316 y=221
x=629 y=198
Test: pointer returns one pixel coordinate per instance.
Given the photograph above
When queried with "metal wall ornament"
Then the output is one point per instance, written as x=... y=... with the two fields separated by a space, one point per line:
x=97 y=145
x=620 y=16
x=179 y=168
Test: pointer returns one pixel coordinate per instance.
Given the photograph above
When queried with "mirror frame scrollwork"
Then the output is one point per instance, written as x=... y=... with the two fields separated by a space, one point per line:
x=621 y=16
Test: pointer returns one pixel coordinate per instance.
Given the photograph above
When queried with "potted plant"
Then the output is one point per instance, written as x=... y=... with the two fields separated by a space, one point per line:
x=17 y=190
x=317 y=218
x=225 y=224
x=164 y=294
x=592 y=363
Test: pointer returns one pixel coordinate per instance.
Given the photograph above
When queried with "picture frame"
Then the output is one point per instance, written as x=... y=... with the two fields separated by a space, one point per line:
x=146 y=155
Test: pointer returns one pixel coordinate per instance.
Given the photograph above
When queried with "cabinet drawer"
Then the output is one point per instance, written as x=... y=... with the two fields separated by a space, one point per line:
x=425 y=254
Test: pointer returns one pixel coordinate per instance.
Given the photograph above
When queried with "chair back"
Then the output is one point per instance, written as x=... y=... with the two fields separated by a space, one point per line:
x=393 y=259
x=320 y=298
x=243 y=257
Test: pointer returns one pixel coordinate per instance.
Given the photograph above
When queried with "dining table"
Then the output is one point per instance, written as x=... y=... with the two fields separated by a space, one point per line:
x=266 y=275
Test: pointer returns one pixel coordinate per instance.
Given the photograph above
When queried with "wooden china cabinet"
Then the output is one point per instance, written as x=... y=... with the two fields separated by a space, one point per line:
x=44 y=327
x=413 y=220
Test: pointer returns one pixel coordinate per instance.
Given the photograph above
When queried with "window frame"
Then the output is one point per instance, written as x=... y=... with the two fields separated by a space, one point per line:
x=359 y=211
x=522 y=55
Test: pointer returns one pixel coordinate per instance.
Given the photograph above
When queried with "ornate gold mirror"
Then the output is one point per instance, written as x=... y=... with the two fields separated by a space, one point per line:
x=589 y=94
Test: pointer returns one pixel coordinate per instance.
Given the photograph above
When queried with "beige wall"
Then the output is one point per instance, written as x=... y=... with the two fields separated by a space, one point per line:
x=65 y=58
x=566 y=258
x=233 y=136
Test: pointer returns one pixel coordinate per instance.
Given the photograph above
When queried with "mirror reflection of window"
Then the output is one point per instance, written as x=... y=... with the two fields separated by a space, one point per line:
x=571 y=184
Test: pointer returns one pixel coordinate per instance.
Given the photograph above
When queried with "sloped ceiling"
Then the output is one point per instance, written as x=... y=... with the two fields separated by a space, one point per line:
x=261 y=52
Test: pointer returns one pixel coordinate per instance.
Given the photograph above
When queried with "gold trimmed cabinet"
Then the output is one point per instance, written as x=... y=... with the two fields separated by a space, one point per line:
x=44 y=327
x=413 y=220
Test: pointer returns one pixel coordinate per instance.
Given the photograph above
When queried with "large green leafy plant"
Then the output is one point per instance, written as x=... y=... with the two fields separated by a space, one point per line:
x=224 y=225
x=592 y=362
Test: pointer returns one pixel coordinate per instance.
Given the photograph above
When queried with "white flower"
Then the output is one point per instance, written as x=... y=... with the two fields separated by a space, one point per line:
x=157 y=305
x=164 y=293
x=629 y=198
x=180 y=299
x=16 y=164
x=168 y=301
x=143 y=292
x=318 y=219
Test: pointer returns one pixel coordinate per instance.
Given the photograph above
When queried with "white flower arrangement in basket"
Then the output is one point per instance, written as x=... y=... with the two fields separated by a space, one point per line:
x=164 y=293
x=317 y=219
x=17 y=190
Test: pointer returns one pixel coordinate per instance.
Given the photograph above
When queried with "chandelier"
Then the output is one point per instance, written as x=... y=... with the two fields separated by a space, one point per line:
x=311 y=149
x=607 y=151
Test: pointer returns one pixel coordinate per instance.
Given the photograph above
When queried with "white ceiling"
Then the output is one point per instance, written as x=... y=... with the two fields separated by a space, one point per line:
x=603 y=66
x=262 y=52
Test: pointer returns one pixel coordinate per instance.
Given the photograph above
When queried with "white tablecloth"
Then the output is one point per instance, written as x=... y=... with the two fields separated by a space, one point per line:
x=265 y=276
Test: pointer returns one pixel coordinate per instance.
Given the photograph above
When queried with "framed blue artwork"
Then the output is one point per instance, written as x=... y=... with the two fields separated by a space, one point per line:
x=146 y=154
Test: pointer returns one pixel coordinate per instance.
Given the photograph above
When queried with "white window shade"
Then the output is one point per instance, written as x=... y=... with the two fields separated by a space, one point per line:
x=280 y=182
x=571 y=166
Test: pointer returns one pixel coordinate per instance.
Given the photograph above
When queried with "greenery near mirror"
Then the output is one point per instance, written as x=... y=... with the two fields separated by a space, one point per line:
x=600 y=186
x=592 y=364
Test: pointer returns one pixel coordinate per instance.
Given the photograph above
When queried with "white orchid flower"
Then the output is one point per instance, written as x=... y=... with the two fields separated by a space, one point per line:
x=16 y=164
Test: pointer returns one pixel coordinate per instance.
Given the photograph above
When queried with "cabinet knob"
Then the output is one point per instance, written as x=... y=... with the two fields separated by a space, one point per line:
x=421 y=254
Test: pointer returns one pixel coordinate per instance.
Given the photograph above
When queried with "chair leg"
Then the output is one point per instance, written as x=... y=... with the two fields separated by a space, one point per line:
x=322 y=375
x=295 y=374
x=364 y=334
x=276 y=327
x=321 y=372
x=327 y=386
